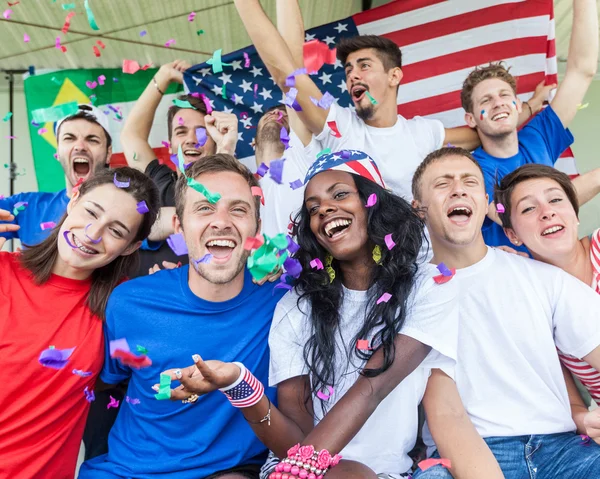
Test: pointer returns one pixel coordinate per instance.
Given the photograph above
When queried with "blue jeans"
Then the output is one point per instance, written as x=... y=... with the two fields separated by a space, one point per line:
x=548 y=456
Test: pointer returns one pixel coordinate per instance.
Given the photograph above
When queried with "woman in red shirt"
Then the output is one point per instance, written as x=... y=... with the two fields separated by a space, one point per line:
x=52 y=302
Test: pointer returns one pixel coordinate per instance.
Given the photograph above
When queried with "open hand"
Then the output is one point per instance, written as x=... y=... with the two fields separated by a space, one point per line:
x=6 y=227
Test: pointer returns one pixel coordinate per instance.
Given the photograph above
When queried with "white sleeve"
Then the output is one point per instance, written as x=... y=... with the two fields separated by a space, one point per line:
x=343 y=118
x=428 y=134
x=576 y=316
x=288 y=335
x=300 y=156
x=433 y=320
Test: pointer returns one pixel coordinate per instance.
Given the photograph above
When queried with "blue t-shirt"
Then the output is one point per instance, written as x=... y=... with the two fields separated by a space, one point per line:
x=541 y=141
x=168 y=439
x=42 y=208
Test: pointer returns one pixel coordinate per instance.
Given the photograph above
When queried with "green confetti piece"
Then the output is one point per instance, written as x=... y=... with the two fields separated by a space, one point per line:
x=68 y=6
x=181 y=162
x=90 y=15
x=17 y=209
x=280 y=241
x=217 y=62
x=200 y=188
x=223 y=92
x=371 y=99
x=135 y=156
x=182 y=103
x=55 y=113
x=94 y=99
x=141 y=349
x=326 y=151
x=55 y=80
x=200 y=32
x=164 y=388
x=266 y=259
x=7 y=116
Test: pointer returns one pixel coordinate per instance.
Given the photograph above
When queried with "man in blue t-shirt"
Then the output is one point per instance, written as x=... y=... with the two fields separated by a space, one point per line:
x=489 y=97
x=83 y=147
x=210 y=307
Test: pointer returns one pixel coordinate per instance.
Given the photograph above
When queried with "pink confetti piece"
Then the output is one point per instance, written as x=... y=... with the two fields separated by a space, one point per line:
x=41 y=131
x=11 y=137
x=323 y=396
x=101 y=79
x=206 y=101
x=246 y=60
x=316 y=264
x=253 y=242
x=191 y=16
x=585 y=440
x=255 y=90
x=59 y=46
x=257 y=191
x=363 y=345
x=371 y=200
x=26 y=38
x=441 y=279
x=500 y=208
x=427 y=463
x=384 y=298
x=67 y=23
x=113 y=403
x=96 y=51
x=91 y=84
x=166 y=144
x=389 y=242
x=47 y=225
x=7 y=14
x=169 y=42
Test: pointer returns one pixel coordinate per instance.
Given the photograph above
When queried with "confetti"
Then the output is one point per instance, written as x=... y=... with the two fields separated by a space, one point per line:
x=326 y=151
x=334 y=129
x=345 y=154
x=200 y=188
x=371 y=99
x=316 y=264
x=20 y=206
x=132 y=401
x=246 y=60
x=121 y=184
x=130 y=66
x=325 y=102
x=292 y=246
x=10 y=137
x=191 y=16
x=47 y=225
x=41 y=131
x=206 y=101
x=68 y=6
x=290 y=80
x=316 y=54
x=141 y=349
x=67 y=23
x=7 y=14
x=253 y=242
x=205 y=259
x=26 y=38
x=262 y=169
x=200 y=32
x=12 y=4
x=377 y=254
x=101 y=79
x=268 y=257
x=83 y=374
x=55 y=358
x=294 y=185
x=55 y=113
x=127 y=358
x=216 y=61
x=427 y=463
x=257 y=191
x=90 y=15
x=276 y=170
x=182 y=103
x=170 y=42
x=8 y=116
x=91 y=84
x=66 y=235
x=255 y=89
x=581 y=107
x=363 y=345
x=201 y=136
x=500 y=208
x=113 y=403
x=384 y=298
x=371 y=200
x=290 y=99
x=585 y=440
x=142 y=208
x=292 y=267
x=323 y=396
x=177 y=243
x=89 y=395
x=442 y=268
x=389 y=242
x=223 y=92
x=96 y=51
x=164 y=388
x=442 y=278
x=284 y=137
x=143 y=33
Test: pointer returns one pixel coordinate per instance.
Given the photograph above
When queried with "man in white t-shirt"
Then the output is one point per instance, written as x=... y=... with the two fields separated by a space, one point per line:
x=514 y=312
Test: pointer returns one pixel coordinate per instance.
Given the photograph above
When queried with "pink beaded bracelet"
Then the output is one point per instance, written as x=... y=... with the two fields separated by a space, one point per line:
x=306 y=463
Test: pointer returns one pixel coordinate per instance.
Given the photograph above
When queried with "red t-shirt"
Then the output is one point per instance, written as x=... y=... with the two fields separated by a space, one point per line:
x=43 y=410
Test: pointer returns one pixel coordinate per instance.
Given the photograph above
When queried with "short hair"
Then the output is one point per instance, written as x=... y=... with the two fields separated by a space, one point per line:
x=435 y=156
x=493 y=70
x=213 y=164
x=197 y=104
x=387 y=51
x=84 y=115
x=504 y=189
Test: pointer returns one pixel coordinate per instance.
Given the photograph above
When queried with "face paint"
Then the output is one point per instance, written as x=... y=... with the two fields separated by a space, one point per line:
x=482 y=115
x=514 y=104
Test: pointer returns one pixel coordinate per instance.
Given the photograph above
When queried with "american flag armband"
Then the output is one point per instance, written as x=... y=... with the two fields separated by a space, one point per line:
x=246 y=391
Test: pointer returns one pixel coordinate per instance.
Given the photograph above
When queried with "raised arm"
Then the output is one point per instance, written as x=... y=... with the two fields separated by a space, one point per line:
x=280 y=62
x=136 y=130
x=455 y=436
x=582 y=61
x=587 y=186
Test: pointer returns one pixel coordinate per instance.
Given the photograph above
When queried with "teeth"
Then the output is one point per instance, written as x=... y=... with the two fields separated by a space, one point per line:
x=329 y=226
x=500 y=116
x=226 y=243
x=83 y=248
x=81 y=160
x=460 y=209
x=191 y=152
x=553 y=229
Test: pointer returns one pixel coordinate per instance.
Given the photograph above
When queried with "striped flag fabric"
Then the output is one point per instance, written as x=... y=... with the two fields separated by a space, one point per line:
x=441 y=42
x=247 y=392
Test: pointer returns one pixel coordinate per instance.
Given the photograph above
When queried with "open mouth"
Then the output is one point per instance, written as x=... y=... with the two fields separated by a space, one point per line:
x=81 y=166
x=220 y=248
x=460 y=214
x=552 y=230
x=81 y=247
x=358 y=92
x=500 y=116
x=193 y=153
x=336 y=227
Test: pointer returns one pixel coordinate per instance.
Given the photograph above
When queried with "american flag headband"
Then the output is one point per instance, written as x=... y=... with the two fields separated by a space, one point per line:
x=350 y=161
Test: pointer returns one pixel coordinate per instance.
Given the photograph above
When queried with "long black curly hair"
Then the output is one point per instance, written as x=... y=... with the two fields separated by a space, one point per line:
x=395 y=275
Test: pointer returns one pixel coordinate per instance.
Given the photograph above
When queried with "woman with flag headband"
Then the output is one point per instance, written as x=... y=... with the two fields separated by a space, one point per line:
x=53 y=298
x=363 y=337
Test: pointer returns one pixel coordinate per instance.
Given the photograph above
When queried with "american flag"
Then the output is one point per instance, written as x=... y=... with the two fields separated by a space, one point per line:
x=441 y=42
x=247 y=393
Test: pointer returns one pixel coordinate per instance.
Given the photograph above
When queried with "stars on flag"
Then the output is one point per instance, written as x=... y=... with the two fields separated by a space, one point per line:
x=266 y=94
x=256 y=71
x=341 y=27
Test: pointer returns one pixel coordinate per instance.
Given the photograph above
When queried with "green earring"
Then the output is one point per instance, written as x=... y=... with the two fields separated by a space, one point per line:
x=377 y=254
x=329 y=268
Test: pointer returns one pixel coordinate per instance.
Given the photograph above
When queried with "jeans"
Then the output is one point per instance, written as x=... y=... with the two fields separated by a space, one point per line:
x=548 y=456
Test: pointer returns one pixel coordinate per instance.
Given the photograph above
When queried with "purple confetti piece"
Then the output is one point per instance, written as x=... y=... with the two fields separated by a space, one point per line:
x=143 y=33
x=66 y=235
x=113 y=403
x=116 y=80
x=2 y=197
x=326 y=101
x=205 y=259
x=255 y=90
x=177 y=243
x=282 y=285
x=19 y=204
x=118 y=345
x=314 y=101
x=132 y=401
x=292 y=267
x=246 y=60
x=94 y=241
x=174 y=159
x=33 y=123
x=290 y=80
x=389 y=242
x=442 y=268
x=371 y=200
x=47 y=225
x=345 y=154
x=384 y=298
x=292 y=246
x=55 y=358
x=276 y=170
x=290 y=97
x=121 y=184
x=83 y=374
x=89 y=395
x=142 y=208
x=316 y=264
x=284 y=137
x=201 y=136
x=169 y=42
x=262 y=170
x=585 y=440
x=115 y=110
x=500 y=208
x=294 y=185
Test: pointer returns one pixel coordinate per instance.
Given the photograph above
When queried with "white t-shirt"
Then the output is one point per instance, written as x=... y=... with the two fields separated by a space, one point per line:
x=514 y=313
x=390 y=433
x=280 y=200
x=397 y=150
